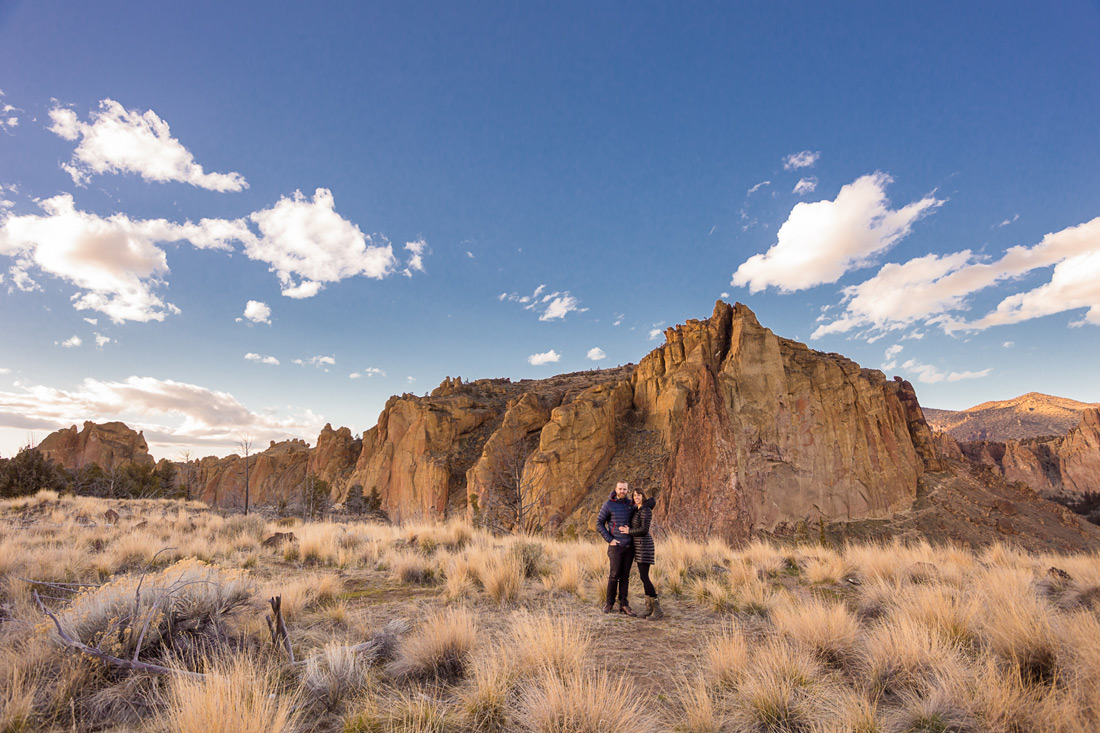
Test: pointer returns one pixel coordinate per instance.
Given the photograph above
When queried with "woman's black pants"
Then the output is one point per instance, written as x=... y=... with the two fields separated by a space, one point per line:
x=643 y=573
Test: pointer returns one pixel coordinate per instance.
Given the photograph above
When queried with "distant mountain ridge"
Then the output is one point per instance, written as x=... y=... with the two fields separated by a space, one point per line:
x=1030 y=415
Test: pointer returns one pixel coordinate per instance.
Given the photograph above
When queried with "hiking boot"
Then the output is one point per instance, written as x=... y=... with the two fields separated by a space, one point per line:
x=608 y=607
x=625 y=610
x=658 y=612
x=648 y=608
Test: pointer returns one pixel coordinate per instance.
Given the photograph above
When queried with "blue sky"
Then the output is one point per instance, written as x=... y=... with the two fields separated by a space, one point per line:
x=376 y=196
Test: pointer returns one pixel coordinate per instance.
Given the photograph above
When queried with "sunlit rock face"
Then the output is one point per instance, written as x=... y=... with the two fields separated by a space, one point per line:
x=108 y=444
x=762 y=430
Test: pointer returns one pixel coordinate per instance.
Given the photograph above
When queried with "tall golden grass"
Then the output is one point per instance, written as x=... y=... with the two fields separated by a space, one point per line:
x=506 y=632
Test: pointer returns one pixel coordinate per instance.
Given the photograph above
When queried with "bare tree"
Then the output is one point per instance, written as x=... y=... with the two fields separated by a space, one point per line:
x=245 y=444
x=517 y=497
x=185 y=458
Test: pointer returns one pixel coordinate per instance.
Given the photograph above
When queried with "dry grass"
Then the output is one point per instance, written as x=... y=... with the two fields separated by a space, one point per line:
x=588 y=703
x=507 y=635
x=235 y=696
x=441 y=649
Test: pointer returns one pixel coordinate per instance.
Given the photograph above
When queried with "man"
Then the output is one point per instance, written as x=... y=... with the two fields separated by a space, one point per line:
x=615 y=514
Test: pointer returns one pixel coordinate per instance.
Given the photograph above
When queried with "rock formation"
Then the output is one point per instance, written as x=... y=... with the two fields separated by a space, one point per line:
x=1065 y=466
x=109 y=445
x=734 y=429
x=277 y=473
x=1031 y=415
x=763 y=430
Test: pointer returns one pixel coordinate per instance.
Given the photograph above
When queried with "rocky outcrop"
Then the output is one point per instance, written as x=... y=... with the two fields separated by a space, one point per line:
x=1063 y=466
x=412 y=455
x=335 y=456
x=108 y=444
x=763 y=430
x=275 y=474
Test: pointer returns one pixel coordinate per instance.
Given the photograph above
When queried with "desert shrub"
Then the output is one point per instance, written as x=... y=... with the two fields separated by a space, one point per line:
x=827 y=629
x=1016 y=624
x=778 y=689
x=903 y=657
x=725 y=657
x=410 y=567
x=335 y=673
x=440 y=649
x=485 y=699
x=240 y=525
x=235 y=695
x=555 y=643
x=699 y=713
x=184 y=600
x=527 y=554
x=502 y=577
x=585 y=703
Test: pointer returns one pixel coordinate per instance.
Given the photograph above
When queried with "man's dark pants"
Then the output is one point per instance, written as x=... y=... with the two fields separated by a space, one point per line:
x=621 y=559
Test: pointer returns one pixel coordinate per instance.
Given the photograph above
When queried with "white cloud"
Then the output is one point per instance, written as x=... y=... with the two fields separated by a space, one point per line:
x=113 y=261
x=470 y=254
x=257 y=312
x=92 y=321
x=927 y=374
x=805 y=186
x=891 y=354
x=410 y=380
x=1008 y=344
x=309 y=242
x=262 y=359
x=596 y=353
x=368 y=372
x=120 y=140
x=822 y=241
x=619 y=319
x=416 y=260
x=724 y=296
x=5 y=370
x=1006 y=222
x=9 y=120
x=932 y=288
x=758 y=186
x=319 y=361
x=805 y=159
x=547 y=357
x=170 y=413
x=118 y=265
x=655 y=333
x=71 y=342
x=101 y=340
x=555 y=305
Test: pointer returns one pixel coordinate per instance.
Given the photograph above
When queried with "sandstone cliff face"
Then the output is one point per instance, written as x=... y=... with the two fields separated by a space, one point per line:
x=762 y=430
x=409 y=455
x=109 y=445
x=1067 y=465
x=334 y=457
x=276 y=473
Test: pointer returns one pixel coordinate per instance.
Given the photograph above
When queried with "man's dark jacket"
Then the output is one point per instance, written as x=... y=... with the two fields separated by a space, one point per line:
x=617 y=513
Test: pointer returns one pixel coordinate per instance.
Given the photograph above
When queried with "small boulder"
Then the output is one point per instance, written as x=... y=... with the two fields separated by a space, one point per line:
x=279 y=539
x=110 y=516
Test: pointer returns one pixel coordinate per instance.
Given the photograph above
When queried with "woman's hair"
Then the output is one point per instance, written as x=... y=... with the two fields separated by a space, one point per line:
x=637 y=491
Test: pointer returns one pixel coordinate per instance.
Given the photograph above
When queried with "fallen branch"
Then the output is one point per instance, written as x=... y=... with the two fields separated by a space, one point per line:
x=277 y=626
x=103 y=656
x=69 y=587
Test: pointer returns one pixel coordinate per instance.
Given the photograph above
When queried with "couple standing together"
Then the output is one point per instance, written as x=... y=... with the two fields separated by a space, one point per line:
x=624 y=522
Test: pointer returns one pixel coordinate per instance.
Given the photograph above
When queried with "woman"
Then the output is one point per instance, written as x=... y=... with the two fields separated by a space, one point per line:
x=643 y=551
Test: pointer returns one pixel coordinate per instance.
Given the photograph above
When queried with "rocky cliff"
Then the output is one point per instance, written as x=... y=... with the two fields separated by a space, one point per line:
x=1067 y=465
x=109 y=445
x=273 y=474
x=1031 y=415
x=734 y=429
x=762 y=430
